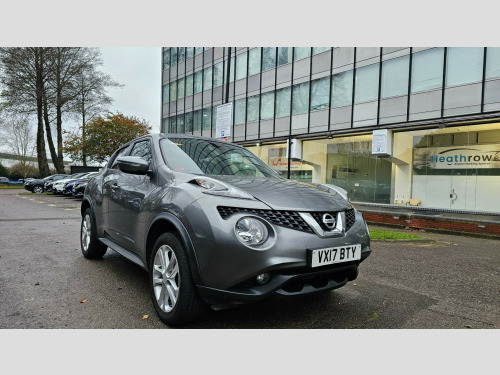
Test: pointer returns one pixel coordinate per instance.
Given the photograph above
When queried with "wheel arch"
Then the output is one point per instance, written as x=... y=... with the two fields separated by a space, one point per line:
x=85 y=204
x=166 y=222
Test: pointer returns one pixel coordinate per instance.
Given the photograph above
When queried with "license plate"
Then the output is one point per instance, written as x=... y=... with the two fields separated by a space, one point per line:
x=333 y=255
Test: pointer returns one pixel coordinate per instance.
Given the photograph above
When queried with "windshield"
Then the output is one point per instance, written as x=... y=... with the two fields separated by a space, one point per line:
x=199 y=156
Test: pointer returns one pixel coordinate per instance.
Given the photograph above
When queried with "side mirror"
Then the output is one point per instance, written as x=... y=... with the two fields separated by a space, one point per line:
x=132 y=164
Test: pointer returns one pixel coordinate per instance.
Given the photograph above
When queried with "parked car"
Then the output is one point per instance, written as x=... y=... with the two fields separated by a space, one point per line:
x=37 y=186
x=58 y=186
x=4 y=180
x=68 y=186
x=215 y=226
x=79 y=188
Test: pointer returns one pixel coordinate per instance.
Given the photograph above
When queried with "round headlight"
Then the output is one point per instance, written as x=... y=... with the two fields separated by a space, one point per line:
x=251 y=231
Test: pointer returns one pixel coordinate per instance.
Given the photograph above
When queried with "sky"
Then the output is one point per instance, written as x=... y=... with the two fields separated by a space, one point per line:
x=139 y=70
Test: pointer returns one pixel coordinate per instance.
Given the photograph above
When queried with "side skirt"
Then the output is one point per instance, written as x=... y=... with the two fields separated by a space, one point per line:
x=124 y=252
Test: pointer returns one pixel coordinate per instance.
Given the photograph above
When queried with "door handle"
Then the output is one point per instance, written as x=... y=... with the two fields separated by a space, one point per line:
x=114 y=186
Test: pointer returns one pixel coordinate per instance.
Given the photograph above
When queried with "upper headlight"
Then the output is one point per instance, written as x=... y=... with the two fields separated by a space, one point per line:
x=214 y=187
x=251 y=231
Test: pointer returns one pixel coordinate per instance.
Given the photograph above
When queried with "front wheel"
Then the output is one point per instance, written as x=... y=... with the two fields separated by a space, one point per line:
x=38 y=189
x=91 y=247
x=173 y=291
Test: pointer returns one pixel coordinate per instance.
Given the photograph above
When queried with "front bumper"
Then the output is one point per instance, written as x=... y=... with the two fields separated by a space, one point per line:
x=228 y=268
x=282 y=283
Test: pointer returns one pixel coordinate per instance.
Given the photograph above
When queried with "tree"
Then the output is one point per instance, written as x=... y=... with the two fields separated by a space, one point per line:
x=24 y=73
x=91 y=99
x=18 y=136
x=104 y=135
x=48 y=82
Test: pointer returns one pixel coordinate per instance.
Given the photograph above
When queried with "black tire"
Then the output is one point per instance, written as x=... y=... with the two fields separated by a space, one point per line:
x=37 y=189
x=188 y=305
x=91 y=247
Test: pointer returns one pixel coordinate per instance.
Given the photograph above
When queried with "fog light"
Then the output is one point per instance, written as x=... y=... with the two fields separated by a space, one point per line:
x=263 y=278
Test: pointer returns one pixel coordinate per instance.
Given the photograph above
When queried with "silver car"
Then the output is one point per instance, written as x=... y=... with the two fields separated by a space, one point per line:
x=215 y=226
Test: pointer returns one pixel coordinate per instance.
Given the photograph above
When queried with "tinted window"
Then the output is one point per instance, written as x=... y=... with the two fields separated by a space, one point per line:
x=119 y=153
x=214 y=158
x=143 y=150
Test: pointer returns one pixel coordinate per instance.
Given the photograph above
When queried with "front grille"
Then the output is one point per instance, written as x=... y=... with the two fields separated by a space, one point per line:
x=288 y=219
x=350 y=218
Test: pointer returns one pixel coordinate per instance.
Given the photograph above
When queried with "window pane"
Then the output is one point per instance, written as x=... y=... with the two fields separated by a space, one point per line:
x=493 y=62
x=320 y=94
x=395 y=74
x=173 y=91
x=253 y=108
x=464 y=65
x=267 y=105
x=180 y=88
x=206 y=48
x=300 y=98
x=166 y=59
x=188 y=122
x=254 y=61
x=239 y=111
x=198 y=50
x=197 y=120
x=427 y=70
x=283 y=101
x=342 y=89
x=189 y=52
x=207 y=80
x=317 y=50
x=232 y=68
x=173 y=56
x=166 y=93
x=189 y=85
x=180 y=124
x=366 y=84
x=207 y=119
x=180 y=54
x=301 y=53
x=241 y=66
x=198 y=81
x=218 y=71
x=284 y=55
x=172 y=124
x=214 y=116
x=268 y=58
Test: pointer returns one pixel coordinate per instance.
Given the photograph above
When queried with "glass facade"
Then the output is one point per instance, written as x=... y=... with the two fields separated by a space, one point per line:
x=332 y=99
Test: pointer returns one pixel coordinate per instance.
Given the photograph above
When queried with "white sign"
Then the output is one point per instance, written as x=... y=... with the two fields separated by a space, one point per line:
x=223 y=121
x=470 y=157
x=382 y=142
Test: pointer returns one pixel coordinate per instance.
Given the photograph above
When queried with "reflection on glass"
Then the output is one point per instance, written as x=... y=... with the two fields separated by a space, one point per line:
x=253 y=108
x=366 y=84
x=300 y=98
x=342 y=89
x=267 y=105
x=283 y=101
x=320 y=94
x=239 y=111
x=254 y=56
x=395 y=73
x=268 y=58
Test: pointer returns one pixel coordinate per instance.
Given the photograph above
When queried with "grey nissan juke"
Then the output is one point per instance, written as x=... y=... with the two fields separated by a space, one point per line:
x=215 y=226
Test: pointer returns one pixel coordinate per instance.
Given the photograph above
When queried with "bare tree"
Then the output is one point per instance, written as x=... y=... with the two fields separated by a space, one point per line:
x=92 y=99
x=17 y=133
x=24 y=72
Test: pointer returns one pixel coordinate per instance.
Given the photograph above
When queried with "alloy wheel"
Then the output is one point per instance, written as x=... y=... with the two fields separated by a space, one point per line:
x=37 y=189
x=86 y=232
x=166 y=278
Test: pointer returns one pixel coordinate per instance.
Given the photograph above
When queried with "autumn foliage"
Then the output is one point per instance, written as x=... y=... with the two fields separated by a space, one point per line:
x=103 y=135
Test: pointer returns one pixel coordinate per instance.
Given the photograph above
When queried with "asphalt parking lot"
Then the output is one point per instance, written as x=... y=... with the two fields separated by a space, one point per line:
x=444 y=281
